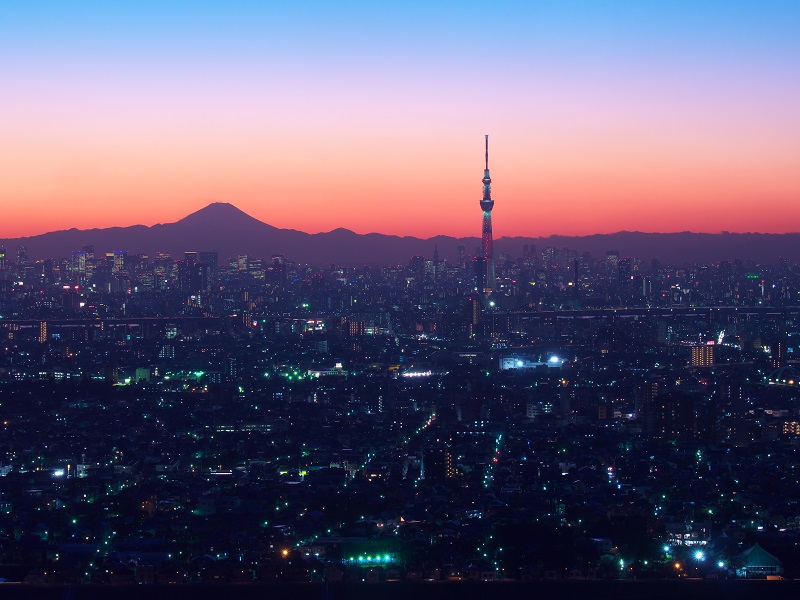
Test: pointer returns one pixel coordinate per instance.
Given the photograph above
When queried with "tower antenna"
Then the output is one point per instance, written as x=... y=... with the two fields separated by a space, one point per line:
x=487 y=150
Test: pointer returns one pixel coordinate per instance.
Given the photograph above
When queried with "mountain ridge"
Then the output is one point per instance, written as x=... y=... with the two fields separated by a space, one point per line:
x=223 y=227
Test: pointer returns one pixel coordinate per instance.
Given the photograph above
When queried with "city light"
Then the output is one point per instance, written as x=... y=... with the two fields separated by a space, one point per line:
x=171 y=402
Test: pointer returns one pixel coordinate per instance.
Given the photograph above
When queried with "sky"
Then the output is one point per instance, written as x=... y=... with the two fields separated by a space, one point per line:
x=602 y=115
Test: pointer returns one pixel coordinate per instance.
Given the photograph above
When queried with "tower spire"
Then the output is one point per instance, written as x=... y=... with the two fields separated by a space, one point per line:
x=487 y=151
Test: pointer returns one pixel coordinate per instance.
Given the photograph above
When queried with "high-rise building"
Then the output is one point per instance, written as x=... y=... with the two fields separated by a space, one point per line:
x=462 y=256
x=119 y=258
x=645 y=399
x=437 y=464
x=778 y=356
x=231 y=371
x=279 y=268
x=210 y=258
x=675 y=415
x=79 y=263
x=486 y=277
x=702 y=356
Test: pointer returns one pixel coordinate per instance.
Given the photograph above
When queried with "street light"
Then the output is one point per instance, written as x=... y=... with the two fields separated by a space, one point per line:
x=699 y=555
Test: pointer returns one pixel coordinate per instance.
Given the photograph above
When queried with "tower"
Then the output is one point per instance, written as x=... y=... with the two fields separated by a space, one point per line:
x=487 y=204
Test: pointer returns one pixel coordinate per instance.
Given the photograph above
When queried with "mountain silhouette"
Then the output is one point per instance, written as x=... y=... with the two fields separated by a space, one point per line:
x=231 y=232
x=216 y=213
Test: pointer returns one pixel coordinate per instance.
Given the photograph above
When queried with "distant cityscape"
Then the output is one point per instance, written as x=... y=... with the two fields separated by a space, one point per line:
x=175 y=419
x=541 y=415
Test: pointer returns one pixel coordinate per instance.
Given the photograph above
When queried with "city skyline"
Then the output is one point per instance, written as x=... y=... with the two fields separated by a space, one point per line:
x=604 y=117
x=252 y=332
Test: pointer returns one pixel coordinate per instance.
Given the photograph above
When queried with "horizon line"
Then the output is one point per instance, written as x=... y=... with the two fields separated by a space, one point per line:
x=397 y=235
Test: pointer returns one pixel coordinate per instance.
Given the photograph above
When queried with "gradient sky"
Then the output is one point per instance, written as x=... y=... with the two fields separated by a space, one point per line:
x=602 y=115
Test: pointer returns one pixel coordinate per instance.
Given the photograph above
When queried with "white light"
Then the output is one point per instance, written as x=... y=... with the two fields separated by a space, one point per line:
x=699 y=555
x=58 y=473
x=554 y=359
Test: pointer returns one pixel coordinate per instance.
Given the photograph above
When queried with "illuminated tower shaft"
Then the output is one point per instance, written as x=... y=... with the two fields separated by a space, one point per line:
x=487 y=204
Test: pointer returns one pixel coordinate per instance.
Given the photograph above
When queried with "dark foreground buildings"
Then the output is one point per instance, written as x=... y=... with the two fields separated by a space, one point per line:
x=176 y=420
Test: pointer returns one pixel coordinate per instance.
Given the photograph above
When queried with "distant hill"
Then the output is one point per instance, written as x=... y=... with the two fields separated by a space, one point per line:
x=223 y=227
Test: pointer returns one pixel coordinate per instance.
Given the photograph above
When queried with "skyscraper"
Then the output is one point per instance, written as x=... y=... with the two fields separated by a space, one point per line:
x=486 y=278
x=79 y=263
x=120 y=259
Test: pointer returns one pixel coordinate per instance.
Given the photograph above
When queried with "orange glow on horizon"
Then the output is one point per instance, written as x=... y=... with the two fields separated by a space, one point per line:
x=562 y=188
x=671 y=117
